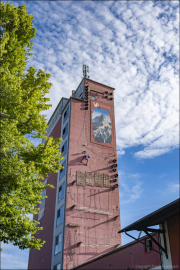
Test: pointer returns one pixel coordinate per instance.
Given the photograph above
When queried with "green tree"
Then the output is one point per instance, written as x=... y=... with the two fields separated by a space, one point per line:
x=23 y=165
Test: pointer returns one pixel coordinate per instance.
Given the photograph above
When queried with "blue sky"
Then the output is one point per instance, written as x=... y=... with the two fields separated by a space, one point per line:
x=132 y=46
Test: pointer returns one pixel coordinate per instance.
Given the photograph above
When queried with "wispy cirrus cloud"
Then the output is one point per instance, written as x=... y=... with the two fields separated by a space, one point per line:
x=120 y=152
x=131 y=187
x=171 y=188
x=174 y=188
x=13 y=258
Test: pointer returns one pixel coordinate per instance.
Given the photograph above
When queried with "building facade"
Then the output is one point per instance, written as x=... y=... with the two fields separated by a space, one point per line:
x=131 y=256
x=159 y=249
x=81 y=216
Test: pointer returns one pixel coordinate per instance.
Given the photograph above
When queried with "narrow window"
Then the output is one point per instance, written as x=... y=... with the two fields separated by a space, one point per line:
x=63 y=171
x=42 y=203
x=66 y=114
x=60 y=214
x=149 y=244
x=43 y=200
x=65 y=131
x=58 y=243
x=57 y=266
x=61 y=192
x=64 y=149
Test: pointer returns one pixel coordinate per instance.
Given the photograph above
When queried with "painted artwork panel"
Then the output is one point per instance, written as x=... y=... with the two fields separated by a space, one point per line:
x=98 y=179
x=101 y=124
x=81 y=179
x=90 y=179
x=107 y=179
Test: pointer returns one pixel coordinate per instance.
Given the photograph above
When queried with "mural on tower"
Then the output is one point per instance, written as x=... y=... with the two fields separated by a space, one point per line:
x=101 y=124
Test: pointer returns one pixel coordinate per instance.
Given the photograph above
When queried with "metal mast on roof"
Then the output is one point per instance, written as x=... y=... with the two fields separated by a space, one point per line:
x=85 y=71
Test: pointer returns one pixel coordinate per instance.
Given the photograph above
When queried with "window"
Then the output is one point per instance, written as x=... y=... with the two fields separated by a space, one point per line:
x=63 y=171
x=42 y=200
x=57 y=267
x=58 y=243
x=65 y=131
x=64 y=149
x=60 y=215
x=42 y=203
x=149 y=244
x=93 y=98
x=66 y=114
x=61 y=192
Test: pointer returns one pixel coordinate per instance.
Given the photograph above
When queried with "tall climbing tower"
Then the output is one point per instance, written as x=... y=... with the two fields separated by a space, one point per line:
x=81 y=216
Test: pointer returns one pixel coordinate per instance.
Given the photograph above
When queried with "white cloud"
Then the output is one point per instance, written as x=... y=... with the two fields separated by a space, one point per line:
x=132 y=47
x=173 y=188
x=120 y=152
x=131 y=188
x=151 y=153
x=13 y=258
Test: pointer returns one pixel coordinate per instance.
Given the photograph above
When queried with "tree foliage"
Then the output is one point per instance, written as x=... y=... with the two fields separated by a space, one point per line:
x=23 y=98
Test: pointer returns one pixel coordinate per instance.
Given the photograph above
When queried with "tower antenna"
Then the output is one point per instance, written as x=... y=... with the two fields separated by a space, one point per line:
x=86 y=71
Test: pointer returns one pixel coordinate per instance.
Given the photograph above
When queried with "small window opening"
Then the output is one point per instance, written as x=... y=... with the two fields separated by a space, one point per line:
x=65 y=131
x=61 y=192
x=66 y=114
x=60 y=214
x=57 y=267
x=149 y=245
x=64 y=149
x=58 y=243
x=62 y=171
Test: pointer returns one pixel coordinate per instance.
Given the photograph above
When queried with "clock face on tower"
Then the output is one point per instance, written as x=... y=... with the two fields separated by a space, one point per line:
x=101 y=124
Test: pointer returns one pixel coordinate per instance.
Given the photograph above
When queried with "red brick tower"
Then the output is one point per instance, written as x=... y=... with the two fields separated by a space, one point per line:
x=81 y=217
